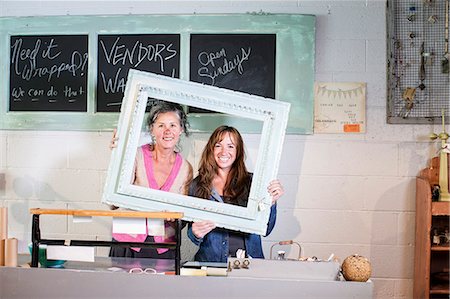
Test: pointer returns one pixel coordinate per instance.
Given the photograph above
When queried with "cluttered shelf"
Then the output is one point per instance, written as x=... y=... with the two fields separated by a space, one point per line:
x=432 y=242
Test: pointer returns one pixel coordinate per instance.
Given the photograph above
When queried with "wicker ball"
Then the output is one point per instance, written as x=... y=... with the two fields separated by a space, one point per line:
x=356 y=268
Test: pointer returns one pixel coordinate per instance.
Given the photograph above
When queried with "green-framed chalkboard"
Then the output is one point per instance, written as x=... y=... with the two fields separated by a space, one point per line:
x=32 y=41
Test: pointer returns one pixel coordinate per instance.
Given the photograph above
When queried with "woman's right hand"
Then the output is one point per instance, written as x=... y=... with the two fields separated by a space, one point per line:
x=114 y=138
x=201 y=228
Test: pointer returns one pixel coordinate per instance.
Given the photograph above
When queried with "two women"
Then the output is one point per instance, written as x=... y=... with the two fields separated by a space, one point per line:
x=222 y=177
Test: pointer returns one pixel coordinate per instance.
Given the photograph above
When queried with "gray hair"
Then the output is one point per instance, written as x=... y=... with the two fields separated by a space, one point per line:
x=158 y=107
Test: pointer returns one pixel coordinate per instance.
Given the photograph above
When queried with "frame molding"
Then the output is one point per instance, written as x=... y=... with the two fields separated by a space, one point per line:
x=143 y=85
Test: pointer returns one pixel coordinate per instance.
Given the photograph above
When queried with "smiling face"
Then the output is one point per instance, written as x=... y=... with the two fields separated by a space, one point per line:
x=225 y=152
x=167 y=130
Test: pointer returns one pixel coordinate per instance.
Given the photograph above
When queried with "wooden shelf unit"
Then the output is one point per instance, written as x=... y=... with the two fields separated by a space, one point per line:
x=430 y=259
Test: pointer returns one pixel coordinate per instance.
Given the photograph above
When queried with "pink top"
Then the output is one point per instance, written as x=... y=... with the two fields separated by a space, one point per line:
x=148 y=161
x=148 y=164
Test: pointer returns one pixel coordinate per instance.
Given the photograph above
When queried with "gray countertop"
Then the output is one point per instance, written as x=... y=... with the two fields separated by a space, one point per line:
x=110 y=279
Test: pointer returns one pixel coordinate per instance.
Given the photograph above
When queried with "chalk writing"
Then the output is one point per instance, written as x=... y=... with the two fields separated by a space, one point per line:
x=26 y=65
x=240 y=62
x=118 y=53
x=117 y=84
x=157 y=53
x=223 y=67
x=45 y=72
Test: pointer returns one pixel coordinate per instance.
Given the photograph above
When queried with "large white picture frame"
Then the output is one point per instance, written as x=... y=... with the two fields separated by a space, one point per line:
x=141 y=86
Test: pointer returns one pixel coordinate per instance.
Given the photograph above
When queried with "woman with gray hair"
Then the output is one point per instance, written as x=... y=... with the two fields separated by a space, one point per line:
x=159 y=165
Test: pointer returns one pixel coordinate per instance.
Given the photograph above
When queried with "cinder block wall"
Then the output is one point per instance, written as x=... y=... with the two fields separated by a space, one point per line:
x=345 y=194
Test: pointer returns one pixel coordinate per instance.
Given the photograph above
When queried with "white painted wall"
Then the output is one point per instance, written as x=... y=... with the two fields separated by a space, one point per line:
x=345 y=194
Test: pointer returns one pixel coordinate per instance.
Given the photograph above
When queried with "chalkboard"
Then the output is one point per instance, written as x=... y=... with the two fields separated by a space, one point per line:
x=156 y=53
x=293 y=46
x=240 y=62
x=48 y=73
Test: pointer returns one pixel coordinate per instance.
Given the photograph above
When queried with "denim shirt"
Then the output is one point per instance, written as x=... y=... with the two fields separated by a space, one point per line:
x=213 y=247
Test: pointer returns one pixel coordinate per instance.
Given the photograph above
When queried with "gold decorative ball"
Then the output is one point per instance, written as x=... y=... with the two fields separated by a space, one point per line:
x=356 y=268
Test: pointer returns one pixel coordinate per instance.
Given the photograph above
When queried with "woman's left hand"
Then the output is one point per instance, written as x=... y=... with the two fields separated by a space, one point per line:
x=275 y=190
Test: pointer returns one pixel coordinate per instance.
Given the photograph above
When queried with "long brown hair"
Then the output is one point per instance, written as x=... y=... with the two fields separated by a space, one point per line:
x=238 y=177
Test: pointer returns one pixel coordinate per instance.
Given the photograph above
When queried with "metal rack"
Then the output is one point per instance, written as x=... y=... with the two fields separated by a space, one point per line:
x=417 y=82
x=37 y=240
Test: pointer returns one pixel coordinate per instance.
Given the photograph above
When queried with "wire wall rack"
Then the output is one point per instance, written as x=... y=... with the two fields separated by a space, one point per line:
x=418 y=61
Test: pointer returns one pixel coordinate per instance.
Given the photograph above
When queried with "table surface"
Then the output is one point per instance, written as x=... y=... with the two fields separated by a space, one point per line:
x=109 y=278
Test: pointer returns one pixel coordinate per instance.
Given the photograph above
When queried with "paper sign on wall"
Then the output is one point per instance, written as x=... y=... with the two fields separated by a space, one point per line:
x=339 y=107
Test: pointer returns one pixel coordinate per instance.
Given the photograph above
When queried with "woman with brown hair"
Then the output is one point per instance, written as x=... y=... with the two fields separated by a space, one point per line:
x=223 y=177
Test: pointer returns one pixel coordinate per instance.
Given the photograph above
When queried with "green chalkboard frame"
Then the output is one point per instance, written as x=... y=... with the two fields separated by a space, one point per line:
x=295 y=36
